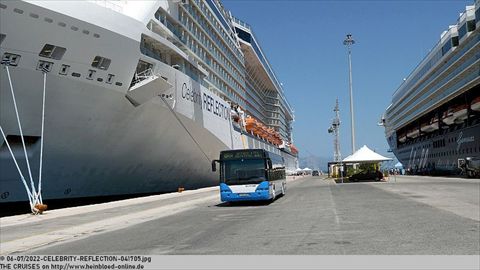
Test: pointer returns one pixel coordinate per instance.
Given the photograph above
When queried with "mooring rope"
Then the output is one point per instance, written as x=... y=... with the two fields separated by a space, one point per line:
x=21 y=131
x=39 y=194
x=30 y=195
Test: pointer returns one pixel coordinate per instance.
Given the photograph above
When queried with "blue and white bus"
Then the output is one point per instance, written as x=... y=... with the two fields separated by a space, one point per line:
x=250 y=175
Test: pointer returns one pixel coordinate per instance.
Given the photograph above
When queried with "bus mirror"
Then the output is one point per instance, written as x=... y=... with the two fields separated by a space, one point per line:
x=214 y=167
x=269 y=162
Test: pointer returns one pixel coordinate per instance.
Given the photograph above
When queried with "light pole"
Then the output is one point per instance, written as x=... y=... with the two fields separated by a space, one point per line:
x=349 y=42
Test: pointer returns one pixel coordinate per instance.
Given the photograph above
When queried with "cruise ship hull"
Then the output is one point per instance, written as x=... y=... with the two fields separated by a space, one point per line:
x=438 y=154
x=433 y=120
x=96 y=143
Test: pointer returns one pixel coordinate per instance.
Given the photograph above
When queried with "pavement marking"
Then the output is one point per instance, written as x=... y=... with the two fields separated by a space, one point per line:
x=337 y=232
x=110 y=224
x=71 y=211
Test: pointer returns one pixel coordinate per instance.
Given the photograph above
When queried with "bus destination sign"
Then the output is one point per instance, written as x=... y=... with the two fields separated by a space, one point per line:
x=241 y=154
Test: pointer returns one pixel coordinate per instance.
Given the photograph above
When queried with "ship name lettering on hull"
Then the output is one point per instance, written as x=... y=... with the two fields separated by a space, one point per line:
x=217 y=108
x=462 y=140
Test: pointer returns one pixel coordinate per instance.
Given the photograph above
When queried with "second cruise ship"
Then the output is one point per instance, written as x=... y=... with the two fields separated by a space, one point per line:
x=434 y=118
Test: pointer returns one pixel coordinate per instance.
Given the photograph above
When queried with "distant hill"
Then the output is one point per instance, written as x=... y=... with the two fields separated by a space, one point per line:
x=314 y=162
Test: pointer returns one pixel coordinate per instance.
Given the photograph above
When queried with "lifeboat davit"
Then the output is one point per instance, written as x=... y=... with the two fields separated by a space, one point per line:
x=235 y=116
x=460 y=113
x=475 y=105
x=430 y=126
x=448 y=118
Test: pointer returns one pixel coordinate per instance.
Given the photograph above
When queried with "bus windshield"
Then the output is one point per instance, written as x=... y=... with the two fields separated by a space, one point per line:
x=243 y=171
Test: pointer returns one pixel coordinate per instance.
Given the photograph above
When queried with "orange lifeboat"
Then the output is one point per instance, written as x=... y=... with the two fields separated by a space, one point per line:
x=250 y=124
x=293 y=149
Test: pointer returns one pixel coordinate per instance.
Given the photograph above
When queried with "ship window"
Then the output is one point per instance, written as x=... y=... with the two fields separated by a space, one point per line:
x=101 y=62
x=471 y=25
x=19 y=11
x=99 y=80
x=455 y=41
x=48 y=20
x=462 y=30
x=118 y=84
x=2 y=6
x=33 y=15
x=64 y=70
x=75 y=74
x=62 y=24
x=446 y=47
x=74 y=28
x=52 y=51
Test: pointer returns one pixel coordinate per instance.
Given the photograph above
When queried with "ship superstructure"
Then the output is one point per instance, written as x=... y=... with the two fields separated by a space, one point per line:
x=140 y=96
x=434 y=117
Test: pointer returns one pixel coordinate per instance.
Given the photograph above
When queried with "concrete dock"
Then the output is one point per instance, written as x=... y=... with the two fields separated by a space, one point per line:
x=406 y=215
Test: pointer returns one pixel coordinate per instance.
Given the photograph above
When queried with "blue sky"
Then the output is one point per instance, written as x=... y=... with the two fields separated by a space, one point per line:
x=303 y=42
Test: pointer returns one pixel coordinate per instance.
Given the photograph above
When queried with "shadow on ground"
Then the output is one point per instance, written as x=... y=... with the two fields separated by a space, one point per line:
x=347 y=181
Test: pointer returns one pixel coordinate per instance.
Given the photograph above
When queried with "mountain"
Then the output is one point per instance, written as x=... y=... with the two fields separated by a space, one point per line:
x=314 y=162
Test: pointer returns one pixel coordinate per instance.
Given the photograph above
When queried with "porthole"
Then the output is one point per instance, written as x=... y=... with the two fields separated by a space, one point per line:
x=19 y=11
x=33 y=15
x=74 y=28
x=62 y=24
x=48 y=20
x=64 y=70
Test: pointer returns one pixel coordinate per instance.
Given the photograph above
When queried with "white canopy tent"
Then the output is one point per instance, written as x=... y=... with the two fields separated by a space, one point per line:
x=364 y=155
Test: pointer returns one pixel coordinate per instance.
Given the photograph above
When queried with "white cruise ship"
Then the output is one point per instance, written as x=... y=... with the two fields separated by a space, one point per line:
x=434 y=118
x=140 y=96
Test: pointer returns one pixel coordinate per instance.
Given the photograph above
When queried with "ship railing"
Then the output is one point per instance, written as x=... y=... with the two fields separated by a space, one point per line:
x=141 y=76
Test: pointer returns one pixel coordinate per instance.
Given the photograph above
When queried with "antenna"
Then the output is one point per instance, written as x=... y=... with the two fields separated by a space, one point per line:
x=335 y=129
